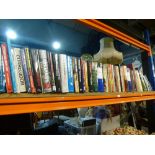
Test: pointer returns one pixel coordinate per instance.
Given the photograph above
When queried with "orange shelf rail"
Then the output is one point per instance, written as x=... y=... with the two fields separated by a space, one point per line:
x=99 y=26
x=17 y=104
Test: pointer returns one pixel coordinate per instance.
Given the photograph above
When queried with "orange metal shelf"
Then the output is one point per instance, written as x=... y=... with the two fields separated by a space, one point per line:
x=27 y=103
x=99 y=26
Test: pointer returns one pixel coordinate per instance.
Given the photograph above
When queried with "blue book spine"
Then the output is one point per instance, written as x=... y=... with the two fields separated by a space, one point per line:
x=26 y=76
x=70 y=74
x=13 y=77
x=100 y=78
x=2 y=74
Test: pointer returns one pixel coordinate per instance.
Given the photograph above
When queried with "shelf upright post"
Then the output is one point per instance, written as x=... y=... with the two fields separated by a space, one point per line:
x=151 y=75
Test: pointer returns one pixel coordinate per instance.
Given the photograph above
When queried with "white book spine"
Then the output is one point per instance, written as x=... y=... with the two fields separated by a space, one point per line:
x=63 y=73
x=21 y=87
x=138 y=81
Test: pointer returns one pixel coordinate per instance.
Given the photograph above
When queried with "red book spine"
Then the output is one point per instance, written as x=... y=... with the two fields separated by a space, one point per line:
x=7 y=69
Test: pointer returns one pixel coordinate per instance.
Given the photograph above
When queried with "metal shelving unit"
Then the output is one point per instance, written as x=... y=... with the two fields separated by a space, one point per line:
x=27 y=103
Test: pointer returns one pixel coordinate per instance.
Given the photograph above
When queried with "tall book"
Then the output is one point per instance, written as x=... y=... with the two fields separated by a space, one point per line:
x=85 y=75
x=19 y=70
x=100 y=78
x=2 y=77
x=70 y=74
x=105 y=77
x=117 y=79
x=94 y=76
x=75 y=74
x=122 y=78
x=80 y=76
x=44 y=71
x=51 y=69
x=57 y=72
x=113 y=85
x=36 y=69
x=7 y=68
x=138 y=82
x=125 y=78
x=26 y=76
x=129 y=82
x=144 y=86
x=90 y=81
x=63 y=73
x=30 y=72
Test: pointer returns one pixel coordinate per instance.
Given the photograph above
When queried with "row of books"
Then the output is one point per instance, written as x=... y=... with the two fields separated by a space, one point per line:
x=41 y=71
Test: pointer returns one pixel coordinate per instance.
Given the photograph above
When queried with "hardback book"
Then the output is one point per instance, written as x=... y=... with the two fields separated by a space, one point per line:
x=129 y=82
x=12 y=68
x=100 y=78
x=117 y=79
x=63 y=73
x=26 y=76
x=122 y=79
x=94 y=76
x=90 y=81
x=57 y=72
x=85 y=76
x=7 y=68
x=2 y=76
x=125 y=78
x=144 y=86
x=70 y=74
x=19 y=74
x=30 y=72
x=75 y=74
x=36 y=69
x=113 y=79
x=46 y=82
x=138 y=82
x=105 y=77
x=51 y=69
x=80 y=76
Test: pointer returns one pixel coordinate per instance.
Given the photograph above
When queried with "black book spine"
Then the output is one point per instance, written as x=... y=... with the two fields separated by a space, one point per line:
x=57 y=72
x=90 y=81
x=80 y=76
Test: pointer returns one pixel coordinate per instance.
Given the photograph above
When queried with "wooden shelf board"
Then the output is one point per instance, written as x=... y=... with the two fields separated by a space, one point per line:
x=28 y=103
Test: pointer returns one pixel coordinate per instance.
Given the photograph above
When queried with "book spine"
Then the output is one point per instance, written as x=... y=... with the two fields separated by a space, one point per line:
x=110 y=81
x=57 y=73
x=2 y=78
x=138 y=81
x=86 y=76
x=7 y=68
x=75 y=74
x=36 y=69
x=44 y=71
x=20 y=74
x=129 y=80
x=82 y=76
x=63 y=73
x=12 y=71
x=105 y=77
x=118 y=79
x=29 y=68
x=51 y=69
x=113 y=85
x=134 y=78
x=94 y=76
x=70 y=74
x=26 y=76
x=90 y=82
x=81 y=87
x=122 y=78
x=100 y=78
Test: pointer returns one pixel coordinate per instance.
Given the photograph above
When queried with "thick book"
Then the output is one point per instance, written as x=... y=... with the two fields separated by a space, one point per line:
x=75 y=75
x=80 y=76
x=117 y=79
x=122 y=78
x=51 y=71
x=36 y=69
x=30 y=72
x=70 y=74
x=105 y=77
x=46 y=82
x=144 y=86
x=12 y=67
x=100 y=78
x=63 y=73
x=90 y=81
x=57 y=72
x=19 y=70
x=7 y=68
x=94 y=76
x=138 y=82
x=26 y=76
x=2 y=76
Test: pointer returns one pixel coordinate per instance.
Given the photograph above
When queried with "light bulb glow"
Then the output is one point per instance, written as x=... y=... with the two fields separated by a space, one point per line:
x=56 y=45
x=11 y=34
